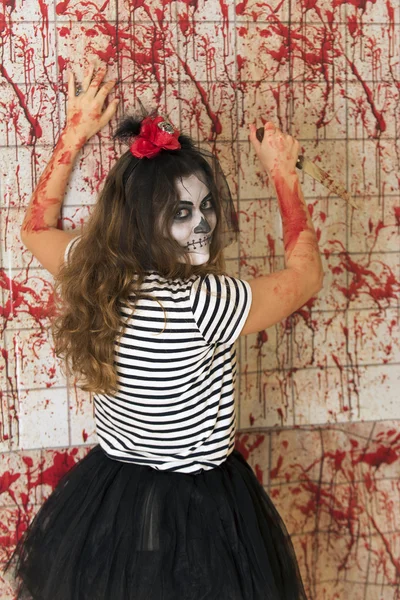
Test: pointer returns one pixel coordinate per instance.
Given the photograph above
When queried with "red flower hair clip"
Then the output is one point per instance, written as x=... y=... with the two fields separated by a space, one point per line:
x=155 y=135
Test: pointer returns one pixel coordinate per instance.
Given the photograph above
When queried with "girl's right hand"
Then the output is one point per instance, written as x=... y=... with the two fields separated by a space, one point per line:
x=278 y=152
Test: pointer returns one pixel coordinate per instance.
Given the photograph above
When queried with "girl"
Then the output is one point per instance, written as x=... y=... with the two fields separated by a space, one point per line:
x=164 y=507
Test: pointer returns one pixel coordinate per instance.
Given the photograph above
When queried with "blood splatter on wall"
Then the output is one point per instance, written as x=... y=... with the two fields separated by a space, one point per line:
x=318 y=406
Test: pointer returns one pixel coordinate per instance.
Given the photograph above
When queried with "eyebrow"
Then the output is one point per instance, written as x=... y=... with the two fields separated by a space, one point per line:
x=209 y=195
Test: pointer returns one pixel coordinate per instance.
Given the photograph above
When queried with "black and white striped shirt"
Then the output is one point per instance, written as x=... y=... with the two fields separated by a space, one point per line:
x=174 y=407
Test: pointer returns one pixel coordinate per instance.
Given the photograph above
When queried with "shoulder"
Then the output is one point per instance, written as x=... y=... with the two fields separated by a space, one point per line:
x=220 y=286
x=220 y=305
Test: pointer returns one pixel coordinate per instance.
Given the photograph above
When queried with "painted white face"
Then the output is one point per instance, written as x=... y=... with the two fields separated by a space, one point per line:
x=195 y=221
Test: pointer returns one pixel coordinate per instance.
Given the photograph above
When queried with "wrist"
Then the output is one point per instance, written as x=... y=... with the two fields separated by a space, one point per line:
x=69 y=140
x=285 y=173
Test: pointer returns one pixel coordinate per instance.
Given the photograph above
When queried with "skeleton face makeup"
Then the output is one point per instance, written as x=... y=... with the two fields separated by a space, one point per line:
x=195 y=221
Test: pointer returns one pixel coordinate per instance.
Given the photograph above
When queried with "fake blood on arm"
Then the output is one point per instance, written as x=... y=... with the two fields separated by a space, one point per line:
x=44 y=208
x=292 y=209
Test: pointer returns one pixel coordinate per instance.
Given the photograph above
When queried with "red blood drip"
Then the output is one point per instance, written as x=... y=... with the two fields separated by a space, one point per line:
x=370 y=225
x=45 y=11
x=360 y=4
x=62 y=64
x=224 y=11
x=274 y=472
x=262 y=338
x=185 y=25
x=240 y=61
x=397 y=215
x=353 y=26
x=3 y=25
x=271 y=244
x=216 y=123
x=36 y=130
x=380 y=126
x=369 y=483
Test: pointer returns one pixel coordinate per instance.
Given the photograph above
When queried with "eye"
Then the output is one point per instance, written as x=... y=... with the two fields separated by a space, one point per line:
x=181 y=214
x=207 y=204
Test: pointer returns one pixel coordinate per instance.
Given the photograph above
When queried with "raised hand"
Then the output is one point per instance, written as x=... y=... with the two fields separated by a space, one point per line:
x=278 y=152
x=85 y=115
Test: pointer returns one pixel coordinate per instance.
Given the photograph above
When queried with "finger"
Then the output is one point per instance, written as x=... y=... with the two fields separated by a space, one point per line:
x=267 y=131
x=109 y=112
x=269 y=127
x=88 y=77
x=96 y=81
x=253 y=136
x=71 y=85
x=290 y=141
x=104 y=91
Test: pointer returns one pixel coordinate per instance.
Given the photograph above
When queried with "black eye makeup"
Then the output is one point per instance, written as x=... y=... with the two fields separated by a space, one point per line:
x=207 y=204
x=185 y=210
x=182 y=214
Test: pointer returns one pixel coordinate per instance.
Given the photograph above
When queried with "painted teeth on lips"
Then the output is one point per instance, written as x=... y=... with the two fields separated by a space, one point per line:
x=202 y=242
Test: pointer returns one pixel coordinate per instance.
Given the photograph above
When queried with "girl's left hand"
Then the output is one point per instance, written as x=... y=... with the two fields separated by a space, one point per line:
x=85 y=116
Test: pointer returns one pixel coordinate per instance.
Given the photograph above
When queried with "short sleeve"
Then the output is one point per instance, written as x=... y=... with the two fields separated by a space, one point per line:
x=220 y=306
x=68 y=248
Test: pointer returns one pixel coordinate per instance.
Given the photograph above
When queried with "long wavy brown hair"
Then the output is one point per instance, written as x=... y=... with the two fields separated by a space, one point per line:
x=126 y=235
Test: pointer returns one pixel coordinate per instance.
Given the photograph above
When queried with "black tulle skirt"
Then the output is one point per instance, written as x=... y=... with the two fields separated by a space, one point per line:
x=119 y=531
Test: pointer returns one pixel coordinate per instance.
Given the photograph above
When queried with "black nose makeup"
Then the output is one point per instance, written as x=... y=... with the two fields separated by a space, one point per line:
x=202 y=227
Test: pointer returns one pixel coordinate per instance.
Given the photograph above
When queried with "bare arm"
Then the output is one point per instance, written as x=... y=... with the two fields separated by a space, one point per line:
x=45 y=204
x=299 y=236
x=278 y=295
x=39 y=232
